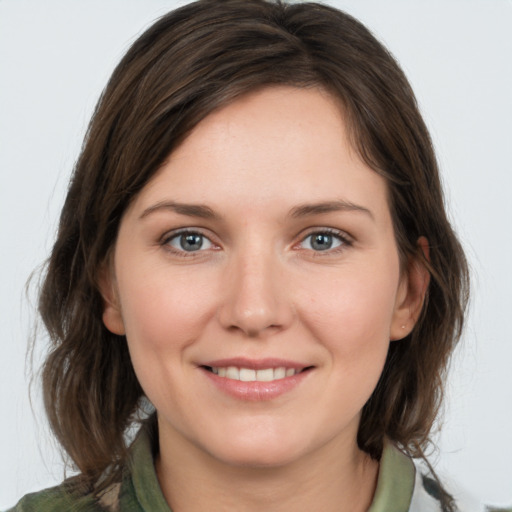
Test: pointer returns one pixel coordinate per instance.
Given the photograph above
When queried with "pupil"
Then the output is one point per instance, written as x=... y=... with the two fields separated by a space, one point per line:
x=191 y=242
x=322 y=242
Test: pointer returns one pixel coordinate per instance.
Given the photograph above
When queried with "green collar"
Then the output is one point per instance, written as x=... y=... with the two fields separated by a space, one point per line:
x=395 y=483
x=143 y=473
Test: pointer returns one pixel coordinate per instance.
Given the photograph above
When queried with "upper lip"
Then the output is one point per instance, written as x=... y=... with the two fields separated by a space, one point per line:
x=255 y=364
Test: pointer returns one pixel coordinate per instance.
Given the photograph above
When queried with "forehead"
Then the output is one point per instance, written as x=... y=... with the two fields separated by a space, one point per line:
x=278 y=146
x=275 y=113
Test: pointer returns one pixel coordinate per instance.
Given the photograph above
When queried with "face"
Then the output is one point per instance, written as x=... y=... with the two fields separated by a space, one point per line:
x=257 y=280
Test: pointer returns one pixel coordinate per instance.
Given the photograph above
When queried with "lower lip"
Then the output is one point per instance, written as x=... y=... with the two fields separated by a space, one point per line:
x=255 y=391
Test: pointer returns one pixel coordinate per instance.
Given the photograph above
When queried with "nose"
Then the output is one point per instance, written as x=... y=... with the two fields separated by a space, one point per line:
x=255 y=300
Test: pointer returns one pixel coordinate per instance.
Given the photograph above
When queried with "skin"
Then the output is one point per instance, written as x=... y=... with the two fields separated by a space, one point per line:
x=258 y=288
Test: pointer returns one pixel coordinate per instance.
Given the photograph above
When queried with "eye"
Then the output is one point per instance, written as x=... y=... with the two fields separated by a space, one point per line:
x=323 y=241
x=188 y=241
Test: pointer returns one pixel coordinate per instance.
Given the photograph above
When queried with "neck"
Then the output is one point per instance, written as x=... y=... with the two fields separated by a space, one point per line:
x=337 y=477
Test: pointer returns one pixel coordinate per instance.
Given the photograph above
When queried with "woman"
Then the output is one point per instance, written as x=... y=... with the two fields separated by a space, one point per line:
x=254 y=243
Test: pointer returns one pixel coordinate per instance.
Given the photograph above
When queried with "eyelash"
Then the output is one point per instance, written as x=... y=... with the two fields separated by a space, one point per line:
x=342 y=237
x=166 y=239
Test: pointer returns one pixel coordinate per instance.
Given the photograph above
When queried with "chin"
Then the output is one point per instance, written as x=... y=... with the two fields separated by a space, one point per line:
x=259 y=458
x=259 y=453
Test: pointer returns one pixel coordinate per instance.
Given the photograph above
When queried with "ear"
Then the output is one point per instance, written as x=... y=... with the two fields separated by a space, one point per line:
x=112 y=317
x=411 y=293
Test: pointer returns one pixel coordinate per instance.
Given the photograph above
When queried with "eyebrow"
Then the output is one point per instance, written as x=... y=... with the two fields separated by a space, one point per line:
x=191 y=210
x=306 y=210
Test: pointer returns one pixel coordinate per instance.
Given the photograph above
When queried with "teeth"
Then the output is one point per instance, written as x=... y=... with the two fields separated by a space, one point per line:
x=250 y=375
x=247 y=375
x=265 y=375
x=232 y=372
x=280 y=373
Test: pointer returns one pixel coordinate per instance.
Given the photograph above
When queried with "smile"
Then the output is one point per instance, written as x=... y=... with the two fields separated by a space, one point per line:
x=255 y=380
x=252 y=375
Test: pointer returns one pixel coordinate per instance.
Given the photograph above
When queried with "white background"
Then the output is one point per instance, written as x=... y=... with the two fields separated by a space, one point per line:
x=55 y=57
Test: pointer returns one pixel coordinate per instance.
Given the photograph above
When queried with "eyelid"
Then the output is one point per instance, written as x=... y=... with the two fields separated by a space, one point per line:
x=343 y=236
x=346 y=239
x=170 y=235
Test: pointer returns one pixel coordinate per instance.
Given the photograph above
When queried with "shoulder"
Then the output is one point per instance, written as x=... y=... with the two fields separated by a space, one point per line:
x=432 y=493
x=57 y=499
x=138 y=481
x=411 y=485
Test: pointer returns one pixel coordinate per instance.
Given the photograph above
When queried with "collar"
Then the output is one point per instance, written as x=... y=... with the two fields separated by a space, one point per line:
x=395 y=483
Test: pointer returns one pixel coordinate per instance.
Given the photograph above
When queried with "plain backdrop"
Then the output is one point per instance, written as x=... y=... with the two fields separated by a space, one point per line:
x=55 y=58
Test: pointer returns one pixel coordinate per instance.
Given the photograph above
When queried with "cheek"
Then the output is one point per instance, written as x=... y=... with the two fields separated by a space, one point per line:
x=352 y=314
x=350 y=319
x=163 y=313
x=163 y=316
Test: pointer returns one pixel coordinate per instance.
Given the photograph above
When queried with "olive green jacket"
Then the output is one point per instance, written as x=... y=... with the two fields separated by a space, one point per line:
x=401 y=487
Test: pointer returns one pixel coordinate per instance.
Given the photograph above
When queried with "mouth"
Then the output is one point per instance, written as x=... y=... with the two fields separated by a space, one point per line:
x=256 y=380
x=255 y=375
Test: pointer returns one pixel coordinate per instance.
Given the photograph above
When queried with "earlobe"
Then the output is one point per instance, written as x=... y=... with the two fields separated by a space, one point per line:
x=412 y=293
x=112 y=317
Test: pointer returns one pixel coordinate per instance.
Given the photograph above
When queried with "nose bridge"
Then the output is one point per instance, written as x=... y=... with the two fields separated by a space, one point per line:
x=255 y=298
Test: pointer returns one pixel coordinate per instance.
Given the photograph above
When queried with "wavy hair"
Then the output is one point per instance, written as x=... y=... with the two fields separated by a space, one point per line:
x=189 y=63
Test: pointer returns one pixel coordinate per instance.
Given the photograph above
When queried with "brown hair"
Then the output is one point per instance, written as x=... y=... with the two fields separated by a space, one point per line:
x=189 y=63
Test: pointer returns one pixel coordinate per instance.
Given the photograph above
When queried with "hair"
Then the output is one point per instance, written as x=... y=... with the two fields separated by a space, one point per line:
x=191 y=62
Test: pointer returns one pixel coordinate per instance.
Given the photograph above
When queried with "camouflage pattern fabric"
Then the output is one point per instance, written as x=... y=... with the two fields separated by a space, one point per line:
x=402 y=487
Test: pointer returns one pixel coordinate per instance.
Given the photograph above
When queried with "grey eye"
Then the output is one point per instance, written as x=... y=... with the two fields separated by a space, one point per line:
x=189 y=242
x=321 y=241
